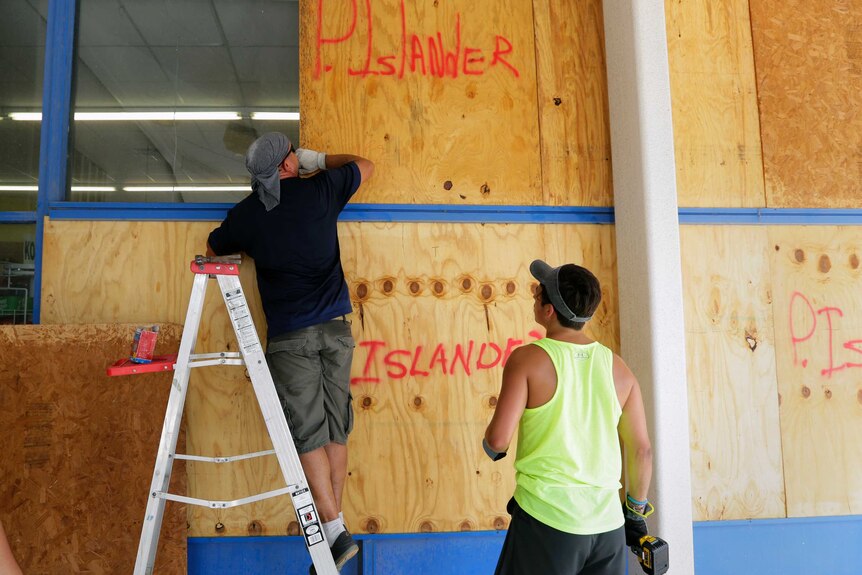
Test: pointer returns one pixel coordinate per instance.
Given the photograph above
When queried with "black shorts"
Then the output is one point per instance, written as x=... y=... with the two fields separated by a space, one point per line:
x=531 y=547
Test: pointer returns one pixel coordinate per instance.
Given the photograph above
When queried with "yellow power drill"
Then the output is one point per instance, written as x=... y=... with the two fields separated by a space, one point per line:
x=652 y=555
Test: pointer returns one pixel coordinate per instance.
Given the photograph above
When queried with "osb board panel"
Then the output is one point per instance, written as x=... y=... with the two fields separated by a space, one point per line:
x=78 y=450
x=573 y=103
x=422 y=293
x=441 y=94
x=713 y=96
x=733 y=393
x=809 y=83
x=818 y=327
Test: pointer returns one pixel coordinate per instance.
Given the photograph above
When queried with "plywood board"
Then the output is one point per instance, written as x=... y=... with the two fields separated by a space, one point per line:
x=713 y=95
x=809 y=83
x=733 y=392
x=422 y=293
x=818 y=329
x=573 y=103
x=78 y=450
x=450 y=287
x=457 y=125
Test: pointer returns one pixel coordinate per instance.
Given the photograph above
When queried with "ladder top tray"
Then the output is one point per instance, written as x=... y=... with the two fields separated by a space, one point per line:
x=126 y=366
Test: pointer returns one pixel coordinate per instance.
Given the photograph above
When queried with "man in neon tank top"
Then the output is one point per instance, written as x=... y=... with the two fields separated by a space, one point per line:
x=571 y=399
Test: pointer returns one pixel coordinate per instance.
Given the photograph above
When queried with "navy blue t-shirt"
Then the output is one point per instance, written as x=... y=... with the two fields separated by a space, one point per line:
x=295 y=248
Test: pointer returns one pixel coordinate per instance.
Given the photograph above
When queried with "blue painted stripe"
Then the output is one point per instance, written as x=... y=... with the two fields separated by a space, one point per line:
x=351 y=213
x=54 y=139
x=463 y=553
x=133 y=211
x=459 y=214
x=795 y=546
x=478 y=214
x=787 y=546
x=771 y=216
x=18 y=217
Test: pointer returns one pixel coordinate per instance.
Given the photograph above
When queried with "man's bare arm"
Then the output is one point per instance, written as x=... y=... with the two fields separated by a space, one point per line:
x=633 y=431
x=511 y=402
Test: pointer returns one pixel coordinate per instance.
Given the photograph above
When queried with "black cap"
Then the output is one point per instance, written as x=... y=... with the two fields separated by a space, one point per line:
x=549 y=277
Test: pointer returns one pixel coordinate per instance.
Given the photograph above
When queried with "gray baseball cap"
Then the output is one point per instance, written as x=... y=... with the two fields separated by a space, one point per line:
x=549 y=277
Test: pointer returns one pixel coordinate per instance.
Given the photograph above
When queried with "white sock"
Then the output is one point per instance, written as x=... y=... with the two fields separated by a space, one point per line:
x=333 y=529
x=341 y=516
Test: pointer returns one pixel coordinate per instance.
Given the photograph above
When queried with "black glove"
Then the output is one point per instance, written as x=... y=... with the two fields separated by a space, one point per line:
x=635 y=523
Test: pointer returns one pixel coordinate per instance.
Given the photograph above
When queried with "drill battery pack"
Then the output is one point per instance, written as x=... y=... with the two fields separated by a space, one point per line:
x=652 y=555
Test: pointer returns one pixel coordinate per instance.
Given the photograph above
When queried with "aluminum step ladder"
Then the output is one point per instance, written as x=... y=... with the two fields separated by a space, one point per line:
x=226 y=271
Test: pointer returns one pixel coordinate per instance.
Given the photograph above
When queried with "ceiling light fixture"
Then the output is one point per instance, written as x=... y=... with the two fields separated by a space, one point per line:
x=187 y=188
x=134 y=116
x=74 y=189
x=94 y=189
x=291 y=116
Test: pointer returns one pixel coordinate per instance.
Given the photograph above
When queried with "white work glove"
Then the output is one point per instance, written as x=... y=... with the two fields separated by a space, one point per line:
x=310 y=161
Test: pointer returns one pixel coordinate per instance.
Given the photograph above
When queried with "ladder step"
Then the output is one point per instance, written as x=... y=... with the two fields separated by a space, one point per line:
x=226 y=459
x=208 y=362
x=215 y=354
x=126 y=366
x=225 y=504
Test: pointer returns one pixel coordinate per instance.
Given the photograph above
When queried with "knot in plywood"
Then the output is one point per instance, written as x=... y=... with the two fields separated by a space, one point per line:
x=387 y=285
x=371 y=525
x=415 y=287
x=361 y=289
x=486 y=292
x=255 y=528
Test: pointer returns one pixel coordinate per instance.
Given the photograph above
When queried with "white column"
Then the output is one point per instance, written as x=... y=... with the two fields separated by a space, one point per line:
x=652 y=328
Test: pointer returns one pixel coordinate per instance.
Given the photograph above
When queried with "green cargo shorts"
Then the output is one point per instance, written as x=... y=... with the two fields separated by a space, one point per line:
x=311 y=370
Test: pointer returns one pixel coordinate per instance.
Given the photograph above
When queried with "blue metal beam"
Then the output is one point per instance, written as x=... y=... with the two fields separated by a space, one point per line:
x=139 y=211
x=56 y=104
x=18 y=217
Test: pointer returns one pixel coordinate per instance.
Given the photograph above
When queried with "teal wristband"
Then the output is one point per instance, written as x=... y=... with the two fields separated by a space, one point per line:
x=634 y=501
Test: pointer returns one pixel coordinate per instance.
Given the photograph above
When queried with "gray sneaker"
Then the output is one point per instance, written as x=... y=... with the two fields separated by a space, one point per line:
x=343 y=550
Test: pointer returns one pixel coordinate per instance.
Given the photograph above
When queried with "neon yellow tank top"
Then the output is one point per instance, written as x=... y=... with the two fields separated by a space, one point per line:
x=568 y=465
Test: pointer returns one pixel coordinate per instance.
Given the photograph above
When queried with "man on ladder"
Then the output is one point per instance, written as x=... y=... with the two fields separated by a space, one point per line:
x=288 y=226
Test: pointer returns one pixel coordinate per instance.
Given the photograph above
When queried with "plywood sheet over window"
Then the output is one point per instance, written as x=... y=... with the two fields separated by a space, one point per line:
x=733 y=393
x=715 y=116
x=818 y=327
x=443 y=94
x=436 y=309
x=809 y=81
x=573 y=103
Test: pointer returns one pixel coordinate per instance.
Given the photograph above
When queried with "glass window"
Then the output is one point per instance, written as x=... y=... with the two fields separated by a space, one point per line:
x=170 y=93
x=22 y=61
x=17 y=251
